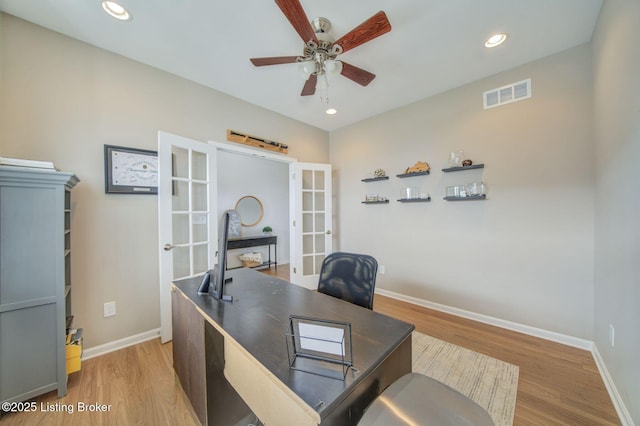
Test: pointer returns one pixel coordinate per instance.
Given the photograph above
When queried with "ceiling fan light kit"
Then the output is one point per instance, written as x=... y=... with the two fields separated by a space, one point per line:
x=320 y=51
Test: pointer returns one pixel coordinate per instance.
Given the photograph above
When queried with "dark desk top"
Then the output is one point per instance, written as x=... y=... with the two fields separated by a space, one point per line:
x=258 y=319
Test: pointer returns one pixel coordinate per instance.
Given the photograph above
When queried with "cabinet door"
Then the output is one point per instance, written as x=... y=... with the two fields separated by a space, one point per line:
x=30 y=256
x=28 y=360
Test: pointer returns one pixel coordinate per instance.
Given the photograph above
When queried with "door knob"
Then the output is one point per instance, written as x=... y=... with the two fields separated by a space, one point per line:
x=167 y=247
x=328 y=232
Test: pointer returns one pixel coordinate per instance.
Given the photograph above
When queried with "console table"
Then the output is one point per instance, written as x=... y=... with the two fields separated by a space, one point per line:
x=256 y=241
x=231 y=357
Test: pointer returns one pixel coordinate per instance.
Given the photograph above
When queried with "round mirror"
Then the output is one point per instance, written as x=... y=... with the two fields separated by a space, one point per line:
x=250 y=210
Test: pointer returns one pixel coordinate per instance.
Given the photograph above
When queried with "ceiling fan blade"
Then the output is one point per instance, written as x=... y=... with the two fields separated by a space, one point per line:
x=294 y=12
x=373 y=27
x=275 y=60
x=356 y=74
x=310 y=86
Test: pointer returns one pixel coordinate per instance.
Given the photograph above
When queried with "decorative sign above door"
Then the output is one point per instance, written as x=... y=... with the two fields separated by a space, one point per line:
x=256 y=142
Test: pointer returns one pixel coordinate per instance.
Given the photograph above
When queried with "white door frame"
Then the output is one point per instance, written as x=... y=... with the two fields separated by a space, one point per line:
x=233 y=148
x=238 y=149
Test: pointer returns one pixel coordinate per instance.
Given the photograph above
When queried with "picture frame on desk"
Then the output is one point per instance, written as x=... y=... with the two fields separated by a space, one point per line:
x=130 y=170
x=319 y=346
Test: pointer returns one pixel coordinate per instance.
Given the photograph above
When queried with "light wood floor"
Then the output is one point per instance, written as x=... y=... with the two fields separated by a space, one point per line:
x=558 y=385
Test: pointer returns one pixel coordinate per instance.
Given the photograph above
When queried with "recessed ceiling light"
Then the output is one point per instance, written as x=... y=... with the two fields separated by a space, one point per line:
x=495 y=40
x=116 y=10
x=331 y=111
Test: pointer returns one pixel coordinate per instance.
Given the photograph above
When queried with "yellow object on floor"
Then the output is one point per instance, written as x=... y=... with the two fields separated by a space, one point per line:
x=74 y=351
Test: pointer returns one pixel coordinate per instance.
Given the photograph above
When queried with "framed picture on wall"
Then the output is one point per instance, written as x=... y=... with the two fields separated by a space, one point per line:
x=130 y=170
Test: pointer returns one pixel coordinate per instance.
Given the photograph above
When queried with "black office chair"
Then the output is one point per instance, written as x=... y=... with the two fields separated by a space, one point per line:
x=350 y=277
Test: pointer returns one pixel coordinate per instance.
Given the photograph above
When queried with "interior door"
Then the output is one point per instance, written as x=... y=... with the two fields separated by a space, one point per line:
x=310 y=204
x=187 y=198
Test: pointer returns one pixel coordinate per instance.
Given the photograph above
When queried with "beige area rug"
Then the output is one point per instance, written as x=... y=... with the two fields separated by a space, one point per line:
x=491 y=383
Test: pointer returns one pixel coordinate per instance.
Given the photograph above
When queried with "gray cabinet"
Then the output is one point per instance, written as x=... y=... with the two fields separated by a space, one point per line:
x=35 y=284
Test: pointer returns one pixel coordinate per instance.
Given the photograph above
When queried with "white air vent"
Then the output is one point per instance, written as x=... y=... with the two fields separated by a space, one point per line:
x=507 y=94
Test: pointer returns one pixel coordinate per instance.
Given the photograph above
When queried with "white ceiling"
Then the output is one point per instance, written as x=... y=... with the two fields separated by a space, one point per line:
x=433 y=46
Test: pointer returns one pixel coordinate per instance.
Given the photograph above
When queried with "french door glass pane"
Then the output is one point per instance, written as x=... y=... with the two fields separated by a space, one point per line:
x=200 y=227
x=199 y=171
x=319 y=180
x=199 y=197
x=180 y=228
x=319 y=248
x=180 y=158
x=180 y=198
x=319 y=222
x=181 y=262
x=307 y=179
x=319 y=201
x=307 y=265
x=200 y=258
x=307 y=222
x=307 y=244
x=307 y=201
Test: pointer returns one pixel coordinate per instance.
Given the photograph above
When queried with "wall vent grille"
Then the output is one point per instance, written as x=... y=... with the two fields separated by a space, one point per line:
x=506 y=94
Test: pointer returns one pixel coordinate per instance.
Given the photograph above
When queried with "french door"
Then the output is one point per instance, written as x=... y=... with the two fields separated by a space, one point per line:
x=187 y=222
x=310 y=204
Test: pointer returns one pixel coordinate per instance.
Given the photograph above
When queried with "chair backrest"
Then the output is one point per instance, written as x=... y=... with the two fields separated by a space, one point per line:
x=350 y=277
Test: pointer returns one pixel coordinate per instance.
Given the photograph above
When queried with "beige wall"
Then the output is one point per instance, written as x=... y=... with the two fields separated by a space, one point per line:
x=62 y=100
x=617 y=249
x=523 y=255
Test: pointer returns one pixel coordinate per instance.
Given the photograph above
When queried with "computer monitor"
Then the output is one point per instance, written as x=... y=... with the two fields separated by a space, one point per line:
x=214 y=280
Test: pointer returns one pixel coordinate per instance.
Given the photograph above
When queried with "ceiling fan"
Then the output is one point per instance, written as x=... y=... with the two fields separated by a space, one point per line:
x=320 y=50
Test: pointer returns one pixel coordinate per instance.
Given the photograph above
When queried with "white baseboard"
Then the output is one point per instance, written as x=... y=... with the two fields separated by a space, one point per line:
x=119 y=344
x=618 y=403
x=521 y=328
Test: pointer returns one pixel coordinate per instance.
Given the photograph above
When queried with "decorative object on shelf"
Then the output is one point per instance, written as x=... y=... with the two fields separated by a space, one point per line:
x=379 y=173
x=467 y=163
x=256 y=142
x=419 y=167
x=475 y=188
x=455 y=158
x=470 y=191
x=375 y=199
x=267 y=230
x=409 y=193
x=130 y=170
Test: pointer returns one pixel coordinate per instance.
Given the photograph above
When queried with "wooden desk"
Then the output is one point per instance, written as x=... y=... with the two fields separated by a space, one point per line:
x=244 y=341
x=257 y=241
